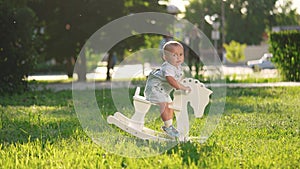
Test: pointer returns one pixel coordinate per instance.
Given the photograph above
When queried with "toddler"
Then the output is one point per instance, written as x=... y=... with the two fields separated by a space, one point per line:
x=162 y=81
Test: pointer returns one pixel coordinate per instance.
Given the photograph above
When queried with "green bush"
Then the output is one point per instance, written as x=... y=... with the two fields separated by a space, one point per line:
x=285 y=47
x=17 y=45
x=235 y=51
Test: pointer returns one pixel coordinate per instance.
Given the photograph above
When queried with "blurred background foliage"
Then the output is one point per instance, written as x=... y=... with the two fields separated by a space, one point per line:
x=35 y=33
x=245 y=20
x=19 y=44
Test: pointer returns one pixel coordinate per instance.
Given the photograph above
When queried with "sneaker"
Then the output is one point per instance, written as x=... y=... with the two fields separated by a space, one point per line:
x=171 y=131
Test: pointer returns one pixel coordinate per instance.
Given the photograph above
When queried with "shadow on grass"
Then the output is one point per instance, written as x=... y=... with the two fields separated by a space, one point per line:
x=24 y=130
x=38 y=98
x=192 y=152
x=43 y=115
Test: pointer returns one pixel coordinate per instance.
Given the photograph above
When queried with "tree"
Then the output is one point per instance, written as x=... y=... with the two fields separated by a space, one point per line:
x=69 y=23
x=284 y=15
x=197 y=10
x=246 y=21
x=253 y=20
x=18 y=43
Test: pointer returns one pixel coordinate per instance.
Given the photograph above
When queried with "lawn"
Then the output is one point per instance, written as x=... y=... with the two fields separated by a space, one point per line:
x=260 y=128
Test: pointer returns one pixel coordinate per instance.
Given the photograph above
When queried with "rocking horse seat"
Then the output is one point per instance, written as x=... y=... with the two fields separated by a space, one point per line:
x=141 y=99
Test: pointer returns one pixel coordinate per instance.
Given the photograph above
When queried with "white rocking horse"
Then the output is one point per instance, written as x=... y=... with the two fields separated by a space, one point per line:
x=198 y=98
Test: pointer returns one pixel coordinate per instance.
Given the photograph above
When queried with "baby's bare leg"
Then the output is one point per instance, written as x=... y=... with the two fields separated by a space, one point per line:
x=167 y=117
x=166 y=113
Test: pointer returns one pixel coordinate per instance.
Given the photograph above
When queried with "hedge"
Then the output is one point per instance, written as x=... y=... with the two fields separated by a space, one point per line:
x=285 y=46
x=17 y=46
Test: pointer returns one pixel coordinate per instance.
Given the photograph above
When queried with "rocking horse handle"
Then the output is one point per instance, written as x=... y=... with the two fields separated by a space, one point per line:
x=180 y=92
x=187 y=91
x=137 y=91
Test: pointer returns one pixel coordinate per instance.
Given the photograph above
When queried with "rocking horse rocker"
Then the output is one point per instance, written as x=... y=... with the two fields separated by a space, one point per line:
x=198 y=98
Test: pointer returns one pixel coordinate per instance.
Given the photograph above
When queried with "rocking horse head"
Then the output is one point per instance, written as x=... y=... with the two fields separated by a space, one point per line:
x=198 y=97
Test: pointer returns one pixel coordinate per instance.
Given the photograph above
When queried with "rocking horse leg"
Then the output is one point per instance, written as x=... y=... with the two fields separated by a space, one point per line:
x=183 y=124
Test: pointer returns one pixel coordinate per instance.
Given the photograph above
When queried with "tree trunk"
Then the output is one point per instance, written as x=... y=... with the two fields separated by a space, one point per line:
x=81 y=71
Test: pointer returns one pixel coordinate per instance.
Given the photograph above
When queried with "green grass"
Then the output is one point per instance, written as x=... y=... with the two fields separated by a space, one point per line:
x=251 y=79
x=260 y=128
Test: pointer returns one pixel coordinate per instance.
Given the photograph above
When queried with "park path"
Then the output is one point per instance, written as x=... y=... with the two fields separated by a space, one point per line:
x=109 y=85
x=238 y=71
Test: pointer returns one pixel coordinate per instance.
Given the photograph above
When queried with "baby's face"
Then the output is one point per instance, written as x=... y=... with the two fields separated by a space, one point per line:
x=175 y=55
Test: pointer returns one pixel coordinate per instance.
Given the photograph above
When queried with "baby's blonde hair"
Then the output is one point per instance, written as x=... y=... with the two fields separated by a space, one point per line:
x=169 y=45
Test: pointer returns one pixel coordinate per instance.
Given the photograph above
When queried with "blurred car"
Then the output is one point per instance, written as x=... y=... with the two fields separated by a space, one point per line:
x=263 y=63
